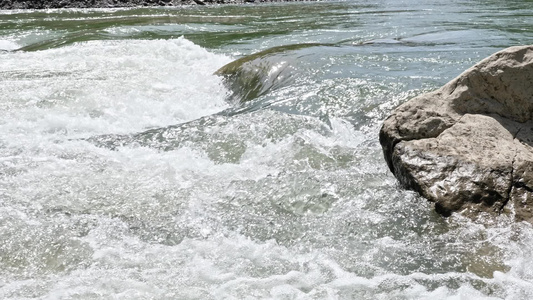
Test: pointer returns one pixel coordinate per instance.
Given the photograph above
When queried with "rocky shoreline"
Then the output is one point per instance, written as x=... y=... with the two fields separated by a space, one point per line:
x=25 y=4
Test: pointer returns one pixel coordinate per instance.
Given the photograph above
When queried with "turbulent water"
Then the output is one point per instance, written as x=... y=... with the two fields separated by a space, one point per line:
x=231 y=152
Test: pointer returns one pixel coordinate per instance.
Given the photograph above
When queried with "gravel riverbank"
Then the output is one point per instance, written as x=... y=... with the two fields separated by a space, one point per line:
x=22 y=4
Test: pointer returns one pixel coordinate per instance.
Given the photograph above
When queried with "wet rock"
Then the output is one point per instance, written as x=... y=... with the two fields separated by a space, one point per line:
x=257 y=74
x=469 y=145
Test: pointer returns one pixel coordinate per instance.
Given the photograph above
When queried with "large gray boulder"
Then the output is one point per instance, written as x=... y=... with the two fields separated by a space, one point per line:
x=468 y=146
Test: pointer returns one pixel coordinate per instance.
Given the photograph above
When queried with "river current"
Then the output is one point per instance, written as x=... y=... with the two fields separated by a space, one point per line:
x=134 y=165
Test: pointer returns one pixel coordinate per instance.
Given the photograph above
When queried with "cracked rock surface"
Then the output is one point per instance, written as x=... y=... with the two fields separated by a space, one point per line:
x=468 y=146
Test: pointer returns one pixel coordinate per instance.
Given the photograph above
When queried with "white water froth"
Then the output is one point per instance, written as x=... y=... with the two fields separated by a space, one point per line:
x=103 y=87
x=301 y=211
x=137 y=223
x=8 y=45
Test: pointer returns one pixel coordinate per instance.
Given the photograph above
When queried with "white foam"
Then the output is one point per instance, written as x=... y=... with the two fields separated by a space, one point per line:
x=8 y=45
x=138 y=222
x=110 y=87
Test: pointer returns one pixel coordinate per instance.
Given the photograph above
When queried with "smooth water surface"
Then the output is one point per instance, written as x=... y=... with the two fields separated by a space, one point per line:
x=130 y=170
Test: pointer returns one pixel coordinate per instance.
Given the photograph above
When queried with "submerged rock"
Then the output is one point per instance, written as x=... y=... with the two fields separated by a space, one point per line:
x=257 y=74
x=468 y=146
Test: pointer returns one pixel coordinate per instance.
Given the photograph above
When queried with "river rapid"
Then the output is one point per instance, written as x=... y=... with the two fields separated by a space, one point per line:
x=130 y=170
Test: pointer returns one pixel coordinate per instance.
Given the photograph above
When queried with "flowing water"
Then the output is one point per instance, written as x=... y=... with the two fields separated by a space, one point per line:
x=134 y=165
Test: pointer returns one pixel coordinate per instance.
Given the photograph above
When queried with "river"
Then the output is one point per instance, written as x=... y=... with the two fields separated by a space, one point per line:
x=130 y=170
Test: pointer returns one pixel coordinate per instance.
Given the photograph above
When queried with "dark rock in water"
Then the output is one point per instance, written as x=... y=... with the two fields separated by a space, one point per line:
x=254 y=75
x=468 y=146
